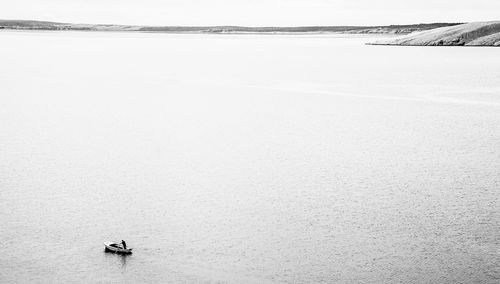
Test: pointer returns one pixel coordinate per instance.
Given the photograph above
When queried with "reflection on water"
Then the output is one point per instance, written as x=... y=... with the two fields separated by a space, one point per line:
x=123 y=259
x=112 y=257
x=240 y=159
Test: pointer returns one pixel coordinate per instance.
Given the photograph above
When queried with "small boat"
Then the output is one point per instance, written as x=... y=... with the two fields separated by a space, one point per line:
x=116 y=248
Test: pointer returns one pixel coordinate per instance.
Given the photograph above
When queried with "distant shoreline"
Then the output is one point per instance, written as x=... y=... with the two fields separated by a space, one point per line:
x=56 y=26
x=346 y=34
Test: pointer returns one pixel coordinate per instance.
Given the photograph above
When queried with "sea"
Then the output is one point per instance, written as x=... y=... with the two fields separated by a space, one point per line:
x=311 y=158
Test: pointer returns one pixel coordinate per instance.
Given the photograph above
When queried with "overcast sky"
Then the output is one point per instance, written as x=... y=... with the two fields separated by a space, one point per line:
x=252 y=12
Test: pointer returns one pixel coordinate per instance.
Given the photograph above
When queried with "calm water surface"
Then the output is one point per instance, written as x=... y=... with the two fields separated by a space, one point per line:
x=247 y=159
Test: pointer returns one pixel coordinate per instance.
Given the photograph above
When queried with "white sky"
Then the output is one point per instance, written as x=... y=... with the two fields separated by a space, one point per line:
x=252 y=12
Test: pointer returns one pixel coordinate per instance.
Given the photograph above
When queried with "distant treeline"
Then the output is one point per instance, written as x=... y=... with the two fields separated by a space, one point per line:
x=43 y=25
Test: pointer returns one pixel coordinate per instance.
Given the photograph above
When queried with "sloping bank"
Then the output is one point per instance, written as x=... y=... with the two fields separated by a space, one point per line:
x=470 y=34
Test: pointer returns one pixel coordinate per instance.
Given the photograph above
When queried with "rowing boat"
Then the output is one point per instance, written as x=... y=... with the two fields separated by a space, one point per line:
x=116 y=248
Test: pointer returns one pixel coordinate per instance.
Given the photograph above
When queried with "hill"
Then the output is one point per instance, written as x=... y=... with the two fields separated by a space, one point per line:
x=470 y=34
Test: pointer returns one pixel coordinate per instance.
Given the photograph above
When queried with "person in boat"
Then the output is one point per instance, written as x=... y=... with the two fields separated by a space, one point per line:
x=124 y=244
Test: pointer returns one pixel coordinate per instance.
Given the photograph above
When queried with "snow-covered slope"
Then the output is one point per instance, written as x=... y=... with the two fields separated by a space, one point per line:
x=470 y=34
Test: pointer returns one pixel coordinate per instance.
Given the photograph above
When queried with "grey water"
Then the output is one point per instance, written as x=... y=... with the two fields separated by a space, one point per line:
x=247 y=159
